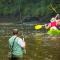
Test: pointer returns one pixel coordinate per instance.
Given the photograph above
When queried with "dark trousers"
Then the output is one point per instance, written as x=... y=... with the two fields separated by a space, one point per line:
x=15 y=58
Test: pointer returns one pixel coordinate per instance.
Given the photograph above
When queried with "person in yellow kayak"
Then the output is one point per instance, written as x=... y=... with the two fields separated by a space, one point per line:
x=53 y=26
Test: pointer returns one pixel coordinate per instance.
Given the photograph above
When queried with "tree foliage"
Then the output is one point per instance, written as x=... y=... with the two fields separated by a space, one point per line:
x=9 y=6
x=29 y=7
x=39 y=7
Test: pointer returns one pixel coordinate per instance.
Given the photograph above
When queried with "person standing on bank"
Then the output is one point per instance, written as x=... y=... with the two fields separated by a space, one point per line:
x=17 y=46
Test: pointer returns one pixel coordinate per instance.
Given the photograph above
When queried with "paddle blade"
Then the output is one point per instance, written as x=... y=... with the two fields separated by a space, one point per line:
x=37 y=27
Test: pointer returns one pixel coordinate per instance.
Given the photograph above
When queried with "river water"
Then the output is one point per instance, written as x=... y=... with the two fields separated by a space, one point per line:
x=39 y=46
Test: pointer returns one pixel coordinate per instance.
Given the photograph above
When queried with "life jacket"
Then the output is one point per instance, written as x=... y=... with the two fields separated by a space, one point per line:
x=53 y=24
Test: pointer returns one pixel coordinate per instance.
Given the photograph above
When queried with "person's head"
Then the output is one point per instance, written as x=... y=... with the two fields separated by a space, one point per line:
x=15 y=31
x=52 y=19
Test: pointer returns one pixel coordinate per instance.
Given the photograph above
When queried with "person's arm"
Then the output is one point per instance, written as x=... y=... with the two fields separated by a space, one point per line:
x=21 y=42
x=56 y=16
x=48 y=26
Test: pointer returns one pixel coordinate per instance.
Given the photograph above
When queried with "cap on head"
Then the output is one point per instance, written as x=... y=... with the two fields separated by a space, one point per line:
x=15 y=31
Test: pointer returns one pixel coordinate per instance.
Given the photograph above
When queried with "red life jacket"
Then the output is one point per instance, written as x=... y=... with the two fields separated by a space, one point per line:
x=53 y=24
